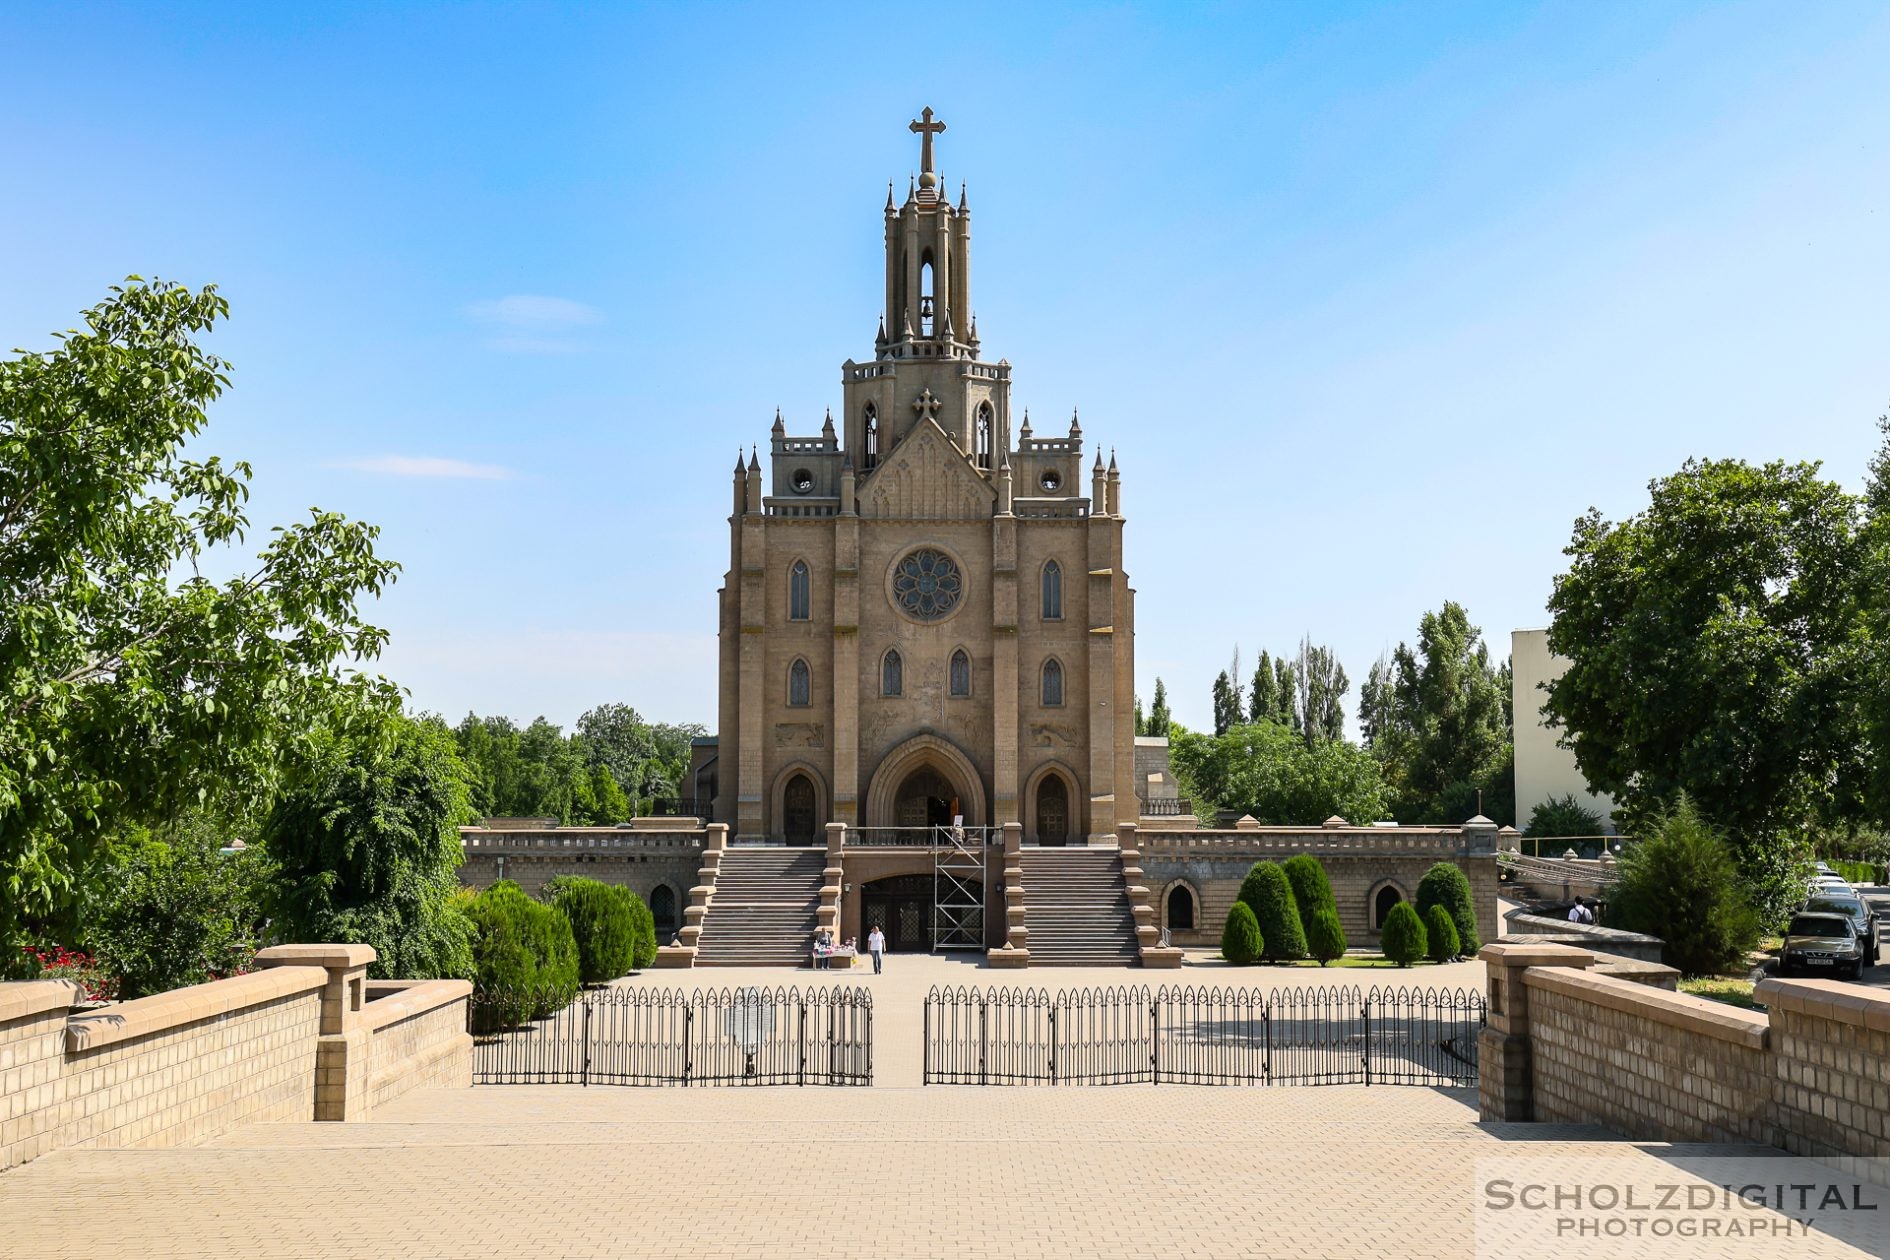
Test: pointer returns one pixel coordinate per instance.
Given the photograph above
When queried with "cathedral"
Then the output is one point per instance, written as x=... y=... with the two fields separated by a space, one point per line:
x=925 y=619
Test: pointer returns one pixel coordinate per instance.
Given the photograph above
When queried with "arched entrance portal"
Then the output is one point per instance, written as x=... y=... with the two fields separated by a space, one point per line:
x=925 y=799
x=797 y=810
x=1053 y=811
x=902 y=908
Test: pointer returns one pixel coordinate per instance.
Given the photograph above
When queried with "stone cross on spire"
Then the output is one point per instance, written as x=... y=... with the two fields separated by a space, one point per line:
x=928 y=128
x=927 y=406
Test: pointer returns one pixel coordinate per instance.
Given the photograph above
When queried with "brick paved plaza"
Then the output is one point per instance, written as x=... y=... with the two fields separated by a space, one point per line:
x=891 y=1171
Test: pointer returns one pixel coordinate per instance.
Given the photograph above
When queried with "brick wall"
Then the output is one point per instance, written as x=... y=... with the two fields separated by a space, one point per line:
x=32 y=1055
x=420 y=1038
x=1831 y=1045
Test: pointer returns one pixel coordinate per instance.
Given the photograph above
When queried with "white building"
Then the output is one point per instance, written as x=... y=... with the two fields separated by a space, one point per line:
x=1545 y=771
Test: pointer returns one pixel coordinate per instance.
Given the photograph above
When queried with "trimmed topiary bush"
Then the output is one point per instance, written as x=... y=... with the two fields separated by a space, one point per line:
x=1446 y=885
x=603 y=923
x=1403 y=939
x=1312 y=891
x=1266 y=892
x=525 y=959
x=1240 y=938
x=1325 y=939
x=643 y=931
x=1442 y=933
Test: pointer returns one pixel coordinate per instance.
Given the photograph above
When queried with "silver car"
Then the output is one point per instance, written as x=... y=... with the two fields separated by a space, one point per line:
x=1822 y=944
x=1862 y=917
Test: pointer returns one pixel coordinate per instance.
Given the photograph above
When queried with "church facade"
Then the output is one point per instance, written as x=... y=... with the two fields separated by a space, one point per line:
x=925 y=616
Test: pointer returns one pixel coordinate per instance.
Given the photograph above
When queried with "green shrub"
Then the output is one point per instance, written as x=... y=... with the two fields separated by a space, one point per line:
x=1266 y=892
x=643 y=931
x=1240 y=938
x=1856 y=873
x=1447 y=886
x=1681 y=883
x=177 y=911
x=1441 y=931
x=1324 y=937
x=602 y=923
x=525 y=958
x=1312 y=891
x=1403 y=940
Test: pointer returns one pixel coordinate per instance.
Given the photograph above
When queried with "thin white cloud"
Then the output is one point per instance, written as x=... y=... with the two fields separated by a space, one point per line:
x=533 y=313
x=427 y=466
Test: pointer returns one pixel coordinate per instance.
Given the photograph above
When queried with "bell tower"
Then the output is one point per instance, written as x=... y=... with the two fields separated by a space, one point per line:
x=925 y=363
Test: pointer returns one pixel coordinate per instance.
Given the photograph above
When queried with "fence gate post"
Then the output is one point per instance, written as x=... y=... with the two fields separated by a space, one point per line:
x=587 y=1041
x=1368 y=1041
x=1155 y=1042
x=984 y=1040
x=1053 y=1045
x=800 y=1043
x=1266 y=1028
x=688 y=1038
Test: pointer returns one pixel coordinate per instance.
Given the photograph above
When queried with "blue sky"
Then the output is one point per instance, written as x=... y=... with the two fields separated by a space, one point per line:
x=1371 y=301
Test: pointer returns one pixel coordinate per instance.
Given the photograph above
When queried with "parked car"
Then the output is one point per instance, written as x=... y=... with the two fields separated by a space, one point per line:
x=1822 y=944
x=1857 y=910
x=1826 y=885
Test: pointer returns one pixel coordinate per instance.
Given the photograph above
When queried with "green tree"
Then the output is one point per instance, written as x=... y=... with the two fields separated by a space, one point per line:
x=1446 y=885
x=1867 y=800
x=1563 y=816
x=1159 y=718
x=1226 y=704
x=131 y=685
x=365 y=846
x=525 y=957
x=1712 y=643
x=1440 y=934
x=1263 y=696
x=1404 y=939
x=1681 y=883
x=1325 y=937
x=1312 y=891
x=1267 y=893
x=177 y=910
x=1241 y=942
x=1321 y=685
x=1267 y=771
x=603 y=922
x=1442 y=731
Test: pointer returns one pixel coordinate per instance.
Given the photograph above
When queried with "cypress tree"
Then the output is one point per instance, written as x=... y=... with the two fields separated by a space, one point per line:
x=1446 y=885
x=1268 y=894
x=1240 y=937
x=1441 y=933
x=1404 y=940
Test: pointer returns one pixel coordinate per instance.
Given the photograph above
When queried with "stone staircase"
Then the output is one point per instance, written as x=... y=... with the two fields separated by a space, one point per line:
x=762 y=913
x=1077 y=908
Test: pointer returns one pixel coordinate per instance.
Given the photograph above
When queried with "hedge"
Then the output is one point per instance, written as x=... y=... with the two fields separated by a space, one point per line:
x=1442 y=932
x=1240 y=938
x=1266 y=892
x=1446 y=885
x=1403 y=939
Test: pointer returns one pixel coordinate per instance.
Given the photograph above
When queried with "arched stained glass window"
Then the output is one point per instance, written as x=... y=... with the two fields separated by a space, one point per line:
x=871 y=458
x=800 y=684
x=961 y=673
x=891 y=674
x=1052 y=591
x=1052 y=683
x=800 y=593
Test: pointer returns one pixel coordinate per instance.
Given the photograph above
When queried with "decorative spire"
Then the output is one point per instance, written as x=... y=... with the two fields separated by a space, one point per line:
x=880 y=339
x=1099 y=467
x=779 y=428
x=912 y=186
x=974 y=328
x=1076 y=427
x=740 y=468
x=946 y=332
x=964 y=206
x=1112 y=462
x=826 y=430
x=905 y=321
x=1022 y=433
x=754 y=461
x=889 y=198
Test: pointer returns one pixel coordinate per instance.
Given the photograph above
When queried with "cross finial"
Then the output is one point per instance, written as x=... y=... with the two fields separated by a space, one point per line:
x=927 y=129
x=927 y=406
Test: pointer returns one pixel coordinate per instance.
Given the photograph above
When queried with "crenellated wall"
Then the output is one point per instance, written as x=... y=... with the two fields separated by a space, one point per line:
x=654 y=853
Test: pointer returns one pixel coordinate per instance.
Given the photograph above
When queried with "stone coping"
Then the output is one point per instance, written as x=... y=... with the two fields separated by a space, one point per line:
x=1827 y=999
x=1533 y=954
x=161 y=1012
x=410 y=998
x=1750 y=1029
x=20 y=999
x=333 y=956
x=1601 y=937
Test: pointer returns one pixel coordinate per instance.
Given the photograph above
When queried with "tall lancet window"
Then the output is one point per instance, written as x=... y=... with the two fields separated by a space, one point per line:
x=1053 y=591
x=927 y=301
x=800 y=685
x=961 y=673
x=1052 y=684
x=891 y=674
x=800 y=593
x=872 y=436
x=982 y=438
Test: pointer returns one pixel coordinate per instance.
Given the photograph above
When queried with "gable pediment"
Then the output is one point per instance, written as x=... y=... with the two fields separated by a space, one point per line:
x=926 y=478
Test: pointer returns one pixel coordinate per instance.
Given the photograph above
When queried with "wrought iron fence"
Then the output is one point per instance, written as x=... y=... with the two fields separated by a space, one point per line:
x=1202 y=1036
x=638 y=1036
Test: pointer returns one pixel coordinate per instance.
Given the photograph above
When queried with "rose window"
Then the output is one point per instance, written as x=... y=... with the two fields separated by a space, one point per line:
x=928 y=585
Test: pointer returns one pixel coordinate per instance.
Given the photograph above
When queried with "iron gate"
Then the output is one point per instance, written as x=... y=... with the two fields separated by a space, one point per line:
x=743 y=1036
x=1202 y=1036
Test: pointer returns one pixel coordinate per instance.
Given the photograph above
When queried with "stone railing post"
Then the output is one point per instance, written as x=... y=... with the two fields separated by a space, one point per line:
x=1015 y=952
x=1505 y=1089
x=341 y=1051
x=1146 y=933
x=833 y=881
x=714 y=844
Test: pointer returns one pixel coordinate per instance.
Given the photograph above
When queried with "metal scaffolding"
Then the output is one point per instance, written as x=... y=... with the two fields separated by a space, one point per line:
x=959 y=859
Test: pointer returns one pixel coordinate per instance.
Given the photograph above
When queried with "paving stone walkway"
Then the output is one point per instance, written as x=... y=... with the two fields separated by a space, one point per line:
x=561 y=1171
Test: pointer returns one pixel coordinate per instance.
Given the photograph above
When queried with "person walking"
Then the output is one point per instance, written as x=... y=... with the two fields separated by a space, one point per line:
x=876 y=942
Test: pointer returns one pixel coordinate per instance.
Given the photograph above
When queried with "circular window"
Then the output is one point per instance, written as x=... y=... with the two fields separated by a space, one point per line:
x=1052 y=480
x=927 y=585
x=802 y=480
